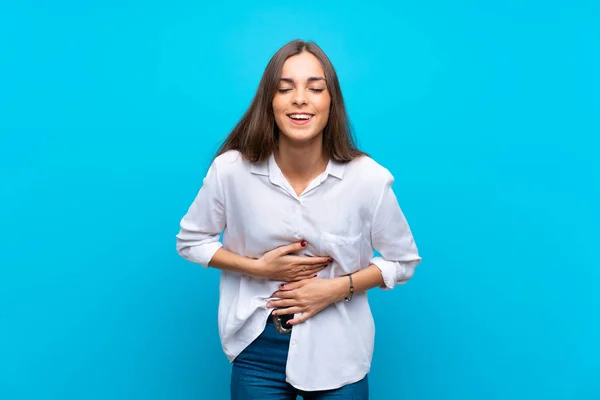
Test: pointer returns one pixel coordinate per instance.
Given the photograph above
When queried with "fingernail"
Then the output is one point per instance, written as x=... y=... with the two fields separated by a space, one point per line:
x=330 y=260
x=315 y=275
x=269 y=304
x=303 y=243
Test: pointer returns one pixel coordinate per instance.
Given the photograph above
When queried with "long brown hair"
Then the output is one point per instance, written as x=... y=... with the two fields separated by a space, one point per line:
x=255 y=135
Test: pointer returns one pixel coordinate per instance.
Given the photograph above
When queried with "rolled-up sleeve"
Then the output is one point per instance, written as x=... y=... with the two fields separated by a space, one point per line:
x=392 y=238
x=200 y=228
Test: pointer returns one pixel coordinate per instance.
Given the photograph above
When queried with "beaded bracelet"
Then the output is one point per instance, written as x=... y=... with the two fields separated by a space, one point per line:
x=348 y=298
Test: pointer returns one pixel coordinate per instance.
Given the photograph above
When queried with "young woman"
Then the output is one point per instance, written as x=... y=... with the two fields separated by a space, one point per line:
x=301 y=210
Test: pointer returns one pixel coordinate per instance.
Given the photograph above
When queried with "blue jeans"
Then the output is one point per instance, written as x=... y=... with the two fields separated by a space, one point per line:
x=259 y=373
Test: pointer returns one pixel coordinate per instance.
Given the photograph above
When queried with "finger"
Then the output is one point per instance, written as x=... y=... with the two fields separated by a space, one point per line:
x=281 y=303
x=300 y=318
x=284 y=294
x=304 y=276
x=307 y=260
x=292 y=285
x=315 y=268
x=291 y=248
x=308 y=270
x=287 y=311
x=317 y=260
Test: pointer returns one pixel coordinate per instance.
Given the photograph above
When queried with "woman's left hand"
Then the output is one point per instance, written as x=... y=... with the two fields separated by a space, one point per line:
x=307 y=297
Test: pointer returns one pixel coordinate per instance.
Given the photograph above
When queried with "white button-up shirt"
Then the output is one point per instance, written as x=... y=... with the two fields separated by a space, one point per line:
x=345 y=213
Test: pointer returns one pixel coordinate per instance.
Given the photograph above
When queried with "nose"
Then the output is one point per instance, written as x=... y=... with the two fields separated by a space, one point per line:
x=299 y=97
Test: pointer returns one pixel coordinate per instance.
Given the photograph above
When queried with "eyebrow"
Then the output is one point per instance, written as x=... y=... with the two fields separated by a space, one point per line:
x=310 y=79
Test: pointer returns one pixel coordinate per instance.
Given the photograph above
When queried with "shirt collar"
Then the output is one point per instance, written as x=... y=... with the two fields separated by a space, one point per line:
x=334 y=168
x=261 y=168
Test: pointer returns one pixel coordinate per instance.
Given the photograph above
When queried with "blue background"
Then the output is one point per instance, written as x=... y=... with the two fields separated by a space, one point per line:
x=486 y=113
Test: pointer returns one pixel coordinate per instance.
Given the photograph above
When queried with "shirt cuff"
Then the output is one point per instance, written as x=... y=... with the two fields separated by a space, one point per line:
x=394 y=272
x=202 y=254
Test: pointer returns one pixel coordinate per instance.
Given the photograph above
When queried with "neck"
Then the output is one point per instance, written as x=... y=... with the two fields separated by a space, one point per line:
x=301 y=161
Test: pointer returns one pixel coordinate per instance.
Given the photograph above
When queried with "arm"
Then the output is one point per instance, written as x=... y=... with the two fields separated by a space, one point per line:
x=226 y=260
x=309 y=297
x=363 y=280
x=390 y=235
x=198 y=241
x=200 y=228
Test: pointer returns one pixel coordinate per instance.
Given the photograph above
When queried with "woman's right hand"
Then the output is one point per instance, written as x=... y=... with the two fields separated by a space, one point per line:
x=279 y=265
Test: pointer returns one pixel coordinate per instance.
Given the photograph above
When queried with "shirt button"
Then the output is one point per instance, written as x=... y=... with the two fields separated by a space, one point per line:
x=293 y=343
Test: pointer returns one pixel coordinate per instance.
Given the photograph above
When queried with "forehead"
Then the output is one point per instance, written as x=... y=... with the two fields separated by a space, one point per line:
x=303 y=65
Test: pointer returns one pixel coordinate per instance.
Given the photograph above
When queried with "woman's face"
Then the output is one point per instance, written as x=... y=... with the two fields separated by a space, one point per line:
x=301 y=103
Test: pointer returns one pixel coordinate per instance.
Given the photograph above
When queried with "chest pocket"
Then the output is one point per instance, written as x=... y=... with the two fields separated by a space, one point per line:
x=345 y=251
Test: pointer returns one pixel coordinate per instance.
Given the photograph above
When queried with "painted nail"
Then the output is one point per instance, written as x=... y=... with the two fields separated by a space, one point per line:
x=315 y=275
x=330 y=260
x=303 y=243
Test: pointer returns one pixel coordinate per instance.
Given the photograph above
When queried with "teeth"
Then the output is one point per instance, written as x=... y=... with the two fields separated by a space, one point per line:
x=300 y=116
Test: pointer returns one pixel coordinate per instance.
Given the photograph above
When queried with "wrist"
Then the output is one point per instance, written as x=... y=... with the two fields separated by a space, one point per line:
x=341 y=288
x=253 y=267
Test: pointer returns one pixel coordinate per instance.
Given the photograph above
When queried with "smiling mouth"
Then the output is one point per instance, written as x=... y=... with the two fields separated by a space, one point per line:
x=300 y=118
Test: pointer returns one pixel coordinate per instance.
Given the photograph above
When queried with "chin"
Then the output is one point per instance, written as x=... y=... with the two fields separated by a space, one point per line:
x=299 y=136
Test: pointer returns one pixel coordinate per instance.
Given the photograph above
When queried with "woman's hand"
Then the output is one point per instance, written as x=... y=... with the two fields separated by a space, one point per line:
x=278 y=265
x=308 y=297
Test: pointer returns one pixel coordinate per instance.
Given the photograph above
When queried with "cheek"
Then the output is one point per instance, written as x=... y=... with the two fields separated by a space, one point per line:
x=324 y=109
x=279 y=113
x=324 y=118
x=277 y=110
x=325 y=105
x=276 y=105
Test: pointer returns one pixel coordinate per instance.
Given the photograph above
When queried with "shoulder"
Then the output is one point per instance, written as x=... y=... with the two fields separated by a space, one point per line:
x=367 y=171
x=368 y=180
x=228 y=159
x=230 y=163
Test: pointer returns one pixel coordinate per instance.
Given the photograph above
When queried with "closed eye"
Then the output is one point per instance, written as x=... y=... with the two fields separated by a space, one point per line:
x=316 y=90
